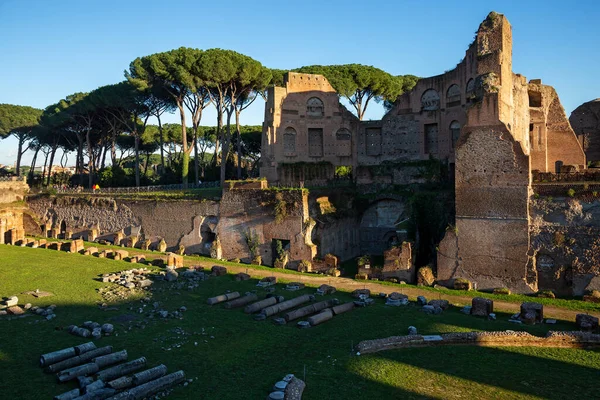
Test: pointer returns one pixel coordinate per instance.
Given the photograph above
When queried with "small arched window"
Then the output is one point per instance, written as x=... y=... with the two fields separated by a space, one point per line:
x=454 y=132
x=289 y=141
x=453 y=96
x=430 y=100
x=314 y=107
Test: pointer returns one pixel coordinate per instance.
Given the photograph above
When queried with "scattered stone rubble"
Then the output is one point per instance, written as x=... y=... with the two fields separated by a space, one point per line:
x=131 y=278
x=101 y=374
x=10 y=306
x=289 y=388
x=91 y=329
x=396 y=299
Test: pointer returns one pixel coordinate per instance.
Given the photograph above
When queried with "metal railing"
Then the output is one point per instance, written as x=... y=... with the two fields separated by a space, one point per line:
x=140 y=189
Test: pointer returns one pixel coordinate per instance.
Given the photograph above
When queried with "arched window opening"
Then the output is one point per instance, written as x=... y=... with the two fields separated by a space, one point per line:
x=314 y=107
x=453 y=96
x=430 y=100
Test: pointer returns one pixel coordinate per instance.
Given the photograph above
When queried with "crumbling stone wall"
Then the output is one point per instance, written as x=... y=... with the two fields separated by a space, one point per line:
x=551 y=136
x=12 y=192
x=565 y=244
x=585 y=121
x=492 y=185
x=177 y=222
x=253 y=212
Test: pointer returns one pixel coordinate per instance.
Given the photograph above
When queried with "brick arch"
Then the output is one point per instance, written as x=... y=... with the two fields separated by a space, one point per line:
x=430 y=100
x=315 y=107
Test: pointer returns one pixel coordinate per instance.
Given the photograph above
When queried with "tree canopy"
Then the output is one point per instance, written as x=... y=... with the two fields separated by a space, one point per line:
x=361 y=83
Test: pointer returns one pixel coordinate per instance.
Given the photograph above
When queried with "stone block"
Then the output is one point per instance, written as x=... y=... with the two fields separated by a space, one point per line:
x=443 y=304
x=174 y=260
x=91 y=251
x=105 y=254
x=361 y=292
x=218 y=270
x=11 y=301
x=481 y=307
x=532 y=312
x=586 y=322
x=76 y=246
x=241 y=277
x=55 y=245
x=121 y=254
x=162 y=246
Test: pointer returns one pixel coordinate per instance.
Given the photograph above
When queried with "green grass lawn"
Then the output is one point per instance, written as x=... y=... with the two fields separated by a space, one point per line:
x=239 y=358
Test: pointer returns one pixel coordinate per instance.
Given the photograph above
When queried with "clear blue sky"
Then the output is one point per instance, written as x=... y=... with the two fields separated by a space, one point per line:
x=50 y=49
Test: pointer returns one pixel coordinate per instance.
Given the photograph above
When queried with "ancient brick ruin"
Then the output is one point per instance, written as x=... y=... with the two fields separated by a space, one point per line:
x=497 y=136
x=12 y=206
x=491 y=126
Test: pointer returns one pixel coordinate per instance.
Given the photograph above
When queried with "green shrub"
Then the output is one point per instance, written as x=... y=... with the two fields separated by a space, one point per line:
x=547 y=294
x=304 y=266
x=280 y=208
x=502 y=290
x=571 y=193
x=257 y=260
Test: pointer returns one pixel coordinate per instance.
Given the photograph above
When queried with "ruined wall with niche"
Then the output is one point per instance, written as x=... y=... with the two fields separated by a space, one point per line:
x=425 y=122
x=565 y=244
x=253 y=211
x=551 y=136
x=12 y=193
x=491 y=241
x=340 y=237
x=306 y=124
x=177 y=222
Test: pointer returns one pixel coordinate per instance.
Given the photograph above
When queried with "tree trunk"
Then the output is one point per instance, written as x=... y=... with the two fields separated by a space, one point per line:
x=113 y=148
x=146 y=165
x=53 y=152
x=137 y=159
x=196 y=160
x=186 y=156
x=19 y=154
x=90 y=158
x=239 y=144
x=225 y=144
x=44 y=169
x=218 y=134
x=162 y=145
x=103 y=163
x=33 y=161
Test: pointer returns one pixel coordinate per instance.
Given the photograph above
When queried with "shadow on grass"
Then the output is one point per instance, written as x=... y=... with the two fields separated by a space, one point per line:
x=486 y=372
x=235 y=357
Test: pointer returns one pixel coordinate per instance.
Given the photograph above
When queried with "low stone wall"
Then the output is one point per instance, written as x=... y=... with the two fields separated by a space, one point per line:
x=12 y=189
x=489 y=339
